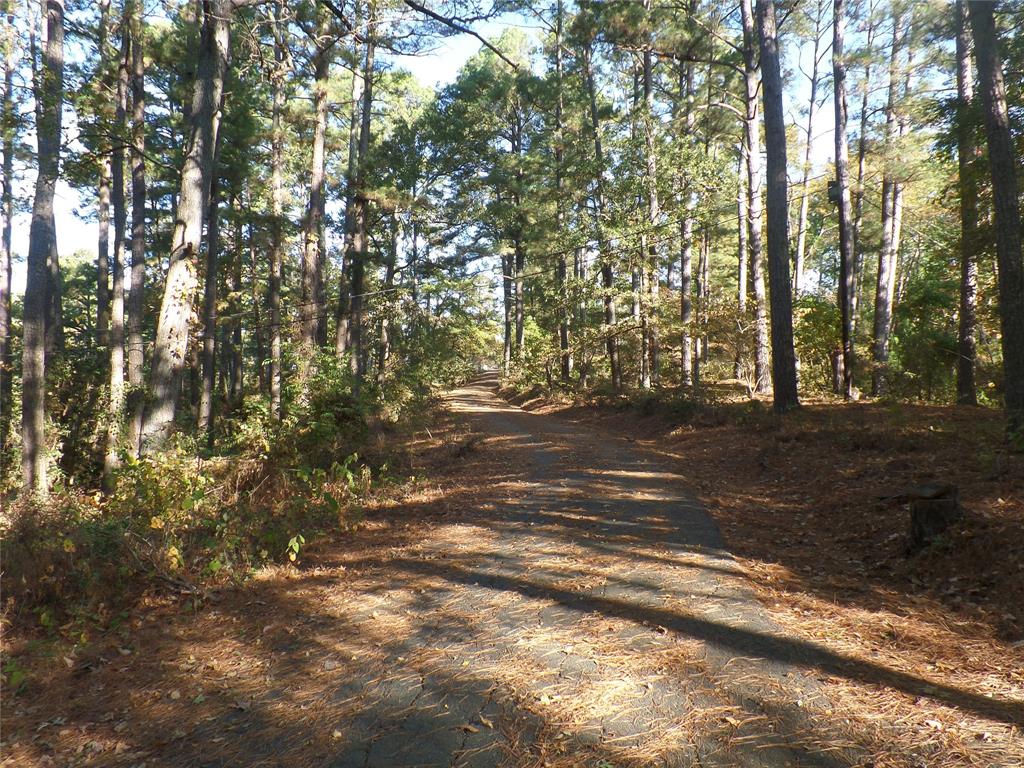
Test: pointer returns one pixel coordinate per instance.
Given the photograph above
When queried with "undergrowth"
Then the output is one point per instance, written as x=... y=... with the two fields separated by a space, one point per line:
x=180 y=522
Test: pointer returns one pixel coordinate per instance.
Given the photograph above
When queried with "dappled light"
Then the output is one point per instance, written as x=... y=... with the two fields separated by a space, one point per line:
x=496 y=623
x=497 y=384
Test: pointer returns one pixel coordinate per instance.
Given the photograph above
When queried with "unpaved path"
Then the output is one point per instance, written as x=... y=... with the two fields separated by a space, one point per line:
x=569 y=605
x=585 y=614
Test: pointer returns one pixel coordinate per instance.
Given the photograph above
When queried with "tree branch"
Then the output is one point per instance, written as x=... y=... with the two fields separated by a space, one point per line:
x=460 y=28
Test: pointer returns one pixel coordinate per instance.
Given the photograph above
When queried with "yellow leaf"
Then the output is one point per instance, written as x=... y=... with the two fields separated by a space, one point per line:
x=69 y=545
x=156 y=522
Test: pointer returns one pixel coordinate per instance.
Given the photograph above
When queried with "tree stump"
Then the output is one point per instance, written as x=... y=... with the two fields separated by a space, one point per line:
x=933 y=508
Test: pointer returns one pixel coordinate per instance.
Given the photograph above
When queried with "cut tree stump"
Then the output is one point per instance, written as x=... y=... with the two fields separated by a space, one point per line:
x=933 y=508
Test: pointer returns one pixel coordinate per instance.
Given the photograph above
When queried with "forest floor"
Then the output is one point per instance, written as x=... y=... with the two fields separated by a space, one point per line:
x=805 y=506
x=555 y=596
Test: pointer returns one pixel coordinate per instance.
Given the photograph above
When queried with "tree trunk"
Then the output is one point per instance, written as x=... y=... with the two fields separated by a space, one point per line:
x=886 y=281
x=751 y=71
x=357 y=255
x=967 y=157
x=743 y=254
x=209 y=357
x=136 y=299
x=7 y=126
x=277 y=213
x=743 y=229
x=171 y=345
x=783 y=355
x=847 y=271
x=103 y=252
x=506 y=293
x=1002 y=158
x=343 y=311
x=686 y=95
x=857 y=195
x=42 y=244
x=384 y=329
x=650 y=316
x=311 y=310
x=562 y=272
x=115 y=395
x=54 y=297
x=805 y=181
x=236 y=378
x=607 y=270
x=256 y=302
x=105 y=76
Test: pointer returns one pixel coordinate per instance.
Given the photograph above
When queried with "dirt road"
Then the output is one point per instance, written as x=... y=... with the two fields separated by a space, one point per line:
x=568 y=604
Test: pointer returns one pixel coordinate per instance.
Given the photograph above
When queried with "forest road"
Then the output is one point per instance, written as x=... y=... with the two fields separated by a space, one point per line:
x=577 y=609
x=556 y=599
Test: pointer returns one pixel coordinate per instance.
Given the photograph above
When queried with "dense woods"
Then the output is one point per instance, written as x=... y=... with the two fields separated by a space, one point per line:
x=295 y=238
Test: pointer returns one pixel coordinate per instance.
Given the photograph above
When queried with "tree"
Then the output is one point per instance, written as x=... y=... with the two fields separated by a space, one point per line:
x=357 y=254
x=49 y=93
x=134 y=351
x=1002 y=161
x=169 y=352
x=818 y=52
x=885 y=286
x=847 y=265
x=967 y=160
x=311 y=310
x=784 y=381
x=752 y=141
x=116 y=392
x=8 y=126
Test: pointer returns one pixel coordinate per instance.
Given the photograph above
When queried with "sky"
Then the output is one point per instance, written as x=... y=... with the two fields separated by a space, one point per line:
x=438 y=67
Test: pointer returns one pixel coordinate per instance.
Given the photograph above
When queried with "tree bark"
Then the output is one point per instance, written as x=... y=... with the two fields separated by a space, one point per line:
x=506 y=294
x=171 y=346
x=276 y=213
x=116 y=394
x=784 y=382
x=885 y=283
x=1002 y=158
x=607 y=270
x=751 y=72
x=311 y=310
x=7 y=126
x=650 y=266
x=136 y=298
x=42 y=243
x=106 y=79
x=686 y=94
x=743 y=254
x=357 y=255
x=103 y=252
x=857 y=195
x=343 y=311
x=967 y=158
x=805 y=181
x=384 y=328
x=236 y=377
x=562 y=273
x=847 y=270
x=209 y=355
